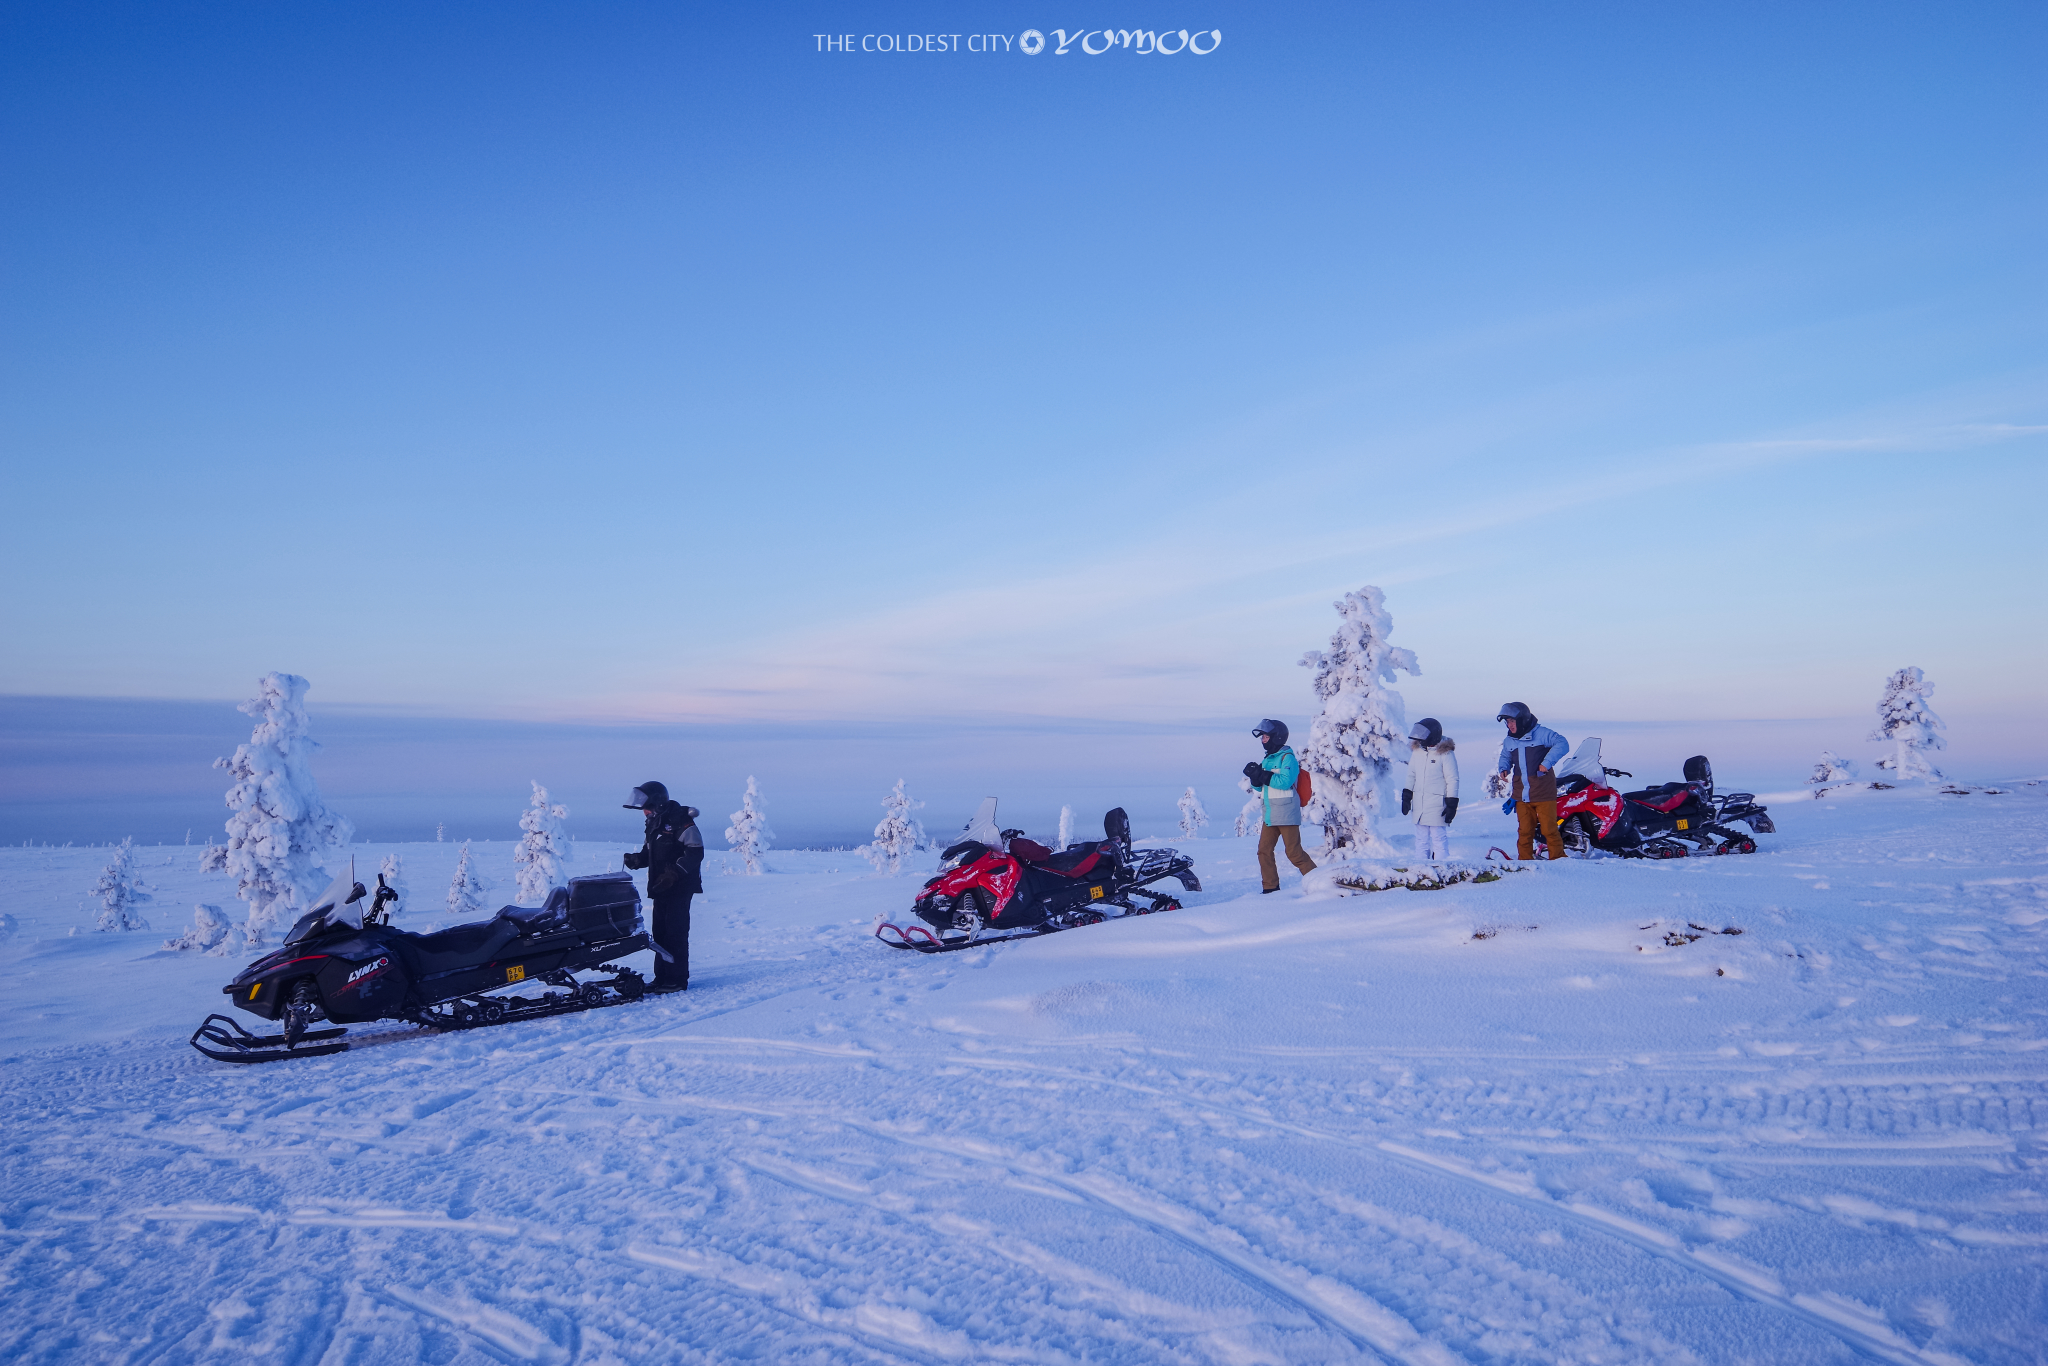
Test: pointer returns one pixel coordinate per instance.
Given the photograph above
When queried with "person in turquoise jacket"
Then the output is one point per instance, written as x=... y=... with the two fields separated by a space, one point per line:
x=1275 y=777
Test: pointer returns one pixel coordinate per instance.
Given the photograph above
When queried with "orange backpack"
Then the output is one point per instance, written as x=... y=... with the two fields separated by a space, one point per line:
x=1303 y=788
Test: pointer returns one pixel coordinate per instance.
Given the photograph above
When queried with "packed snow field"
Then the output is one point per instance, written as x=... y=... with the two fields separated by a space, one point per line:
x=1562 y=1117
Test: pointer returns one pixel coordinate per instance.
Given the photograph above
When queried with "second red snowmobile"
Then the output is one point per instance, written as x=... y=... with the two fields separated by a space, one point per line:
x=996 y=884
x=1655 y=822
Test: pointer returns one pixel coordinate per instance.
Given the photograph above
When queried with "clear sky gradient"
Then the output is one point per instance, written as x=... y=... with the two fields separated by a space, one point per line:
x=641 y=363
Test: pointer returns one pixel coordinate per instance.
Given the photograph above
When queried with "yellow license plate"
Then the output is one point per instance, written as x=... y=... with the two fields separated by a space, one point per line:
x=1095 y=894
x=1683 y=825
x=515 y=973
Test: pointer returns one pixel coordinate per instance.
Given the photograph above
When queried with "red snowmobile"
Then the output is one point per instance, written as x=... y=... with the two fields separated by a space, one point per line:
x=996 y=884
x=1653 y=822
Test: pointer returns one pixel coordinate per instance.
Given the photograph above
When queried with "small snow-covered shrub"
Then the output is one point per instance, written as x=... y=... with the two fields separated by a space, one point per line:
x=1905 y=719
x=543 y=850
x=1066 y=835
x=749 y=833
x=1251 y=815
x=1831 y=768
x=1352 y=743
x=213 y=933
x=466 y=889
x=280 y=827
x=897 y=836
x=392 y=870
x=120 y=892
x=1192 y=816
x=1498 y=785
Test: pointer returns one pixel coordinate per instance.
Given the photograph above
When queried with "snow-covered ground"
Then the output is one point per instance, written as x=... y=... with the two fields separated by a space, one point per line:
x=1261 y=1129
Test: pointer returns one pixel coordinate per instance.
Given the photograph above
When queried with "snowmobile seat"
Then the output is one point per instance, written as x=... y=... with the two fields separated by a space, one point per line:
x=1079 y=860
x=537 y=919
x=461 y=946
x=1666 y=797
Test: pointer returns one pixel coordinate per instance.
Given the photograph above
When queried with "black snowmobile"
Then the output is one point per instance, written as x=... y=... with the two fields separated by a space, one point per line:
x=342 y=969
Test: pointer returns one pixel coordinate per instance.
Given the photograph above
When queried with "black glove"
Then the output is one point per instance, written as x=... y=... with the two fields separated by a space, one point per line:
x=1450 y=809
x=1258 y=776
x=1406 y=797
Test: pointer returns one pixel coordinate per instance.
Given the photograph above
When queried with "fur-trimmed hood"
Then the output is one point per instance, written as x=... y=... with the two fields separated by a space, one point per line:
x=1443 y=746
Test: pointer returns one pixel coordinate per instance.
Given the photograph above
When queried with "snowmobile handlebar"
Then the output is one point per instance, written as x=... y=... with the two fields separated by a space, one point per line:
x=1616 y=772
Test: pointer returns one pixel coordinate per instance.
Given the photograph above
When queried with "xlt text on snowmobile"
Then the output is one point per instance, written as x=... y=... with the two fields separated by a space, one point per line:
x=337 y=968
x=996 y=884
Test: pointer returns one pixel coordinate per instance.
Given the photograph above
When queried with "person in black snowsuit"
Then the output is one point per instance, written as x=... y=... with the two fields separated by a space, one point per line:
x=674 y=859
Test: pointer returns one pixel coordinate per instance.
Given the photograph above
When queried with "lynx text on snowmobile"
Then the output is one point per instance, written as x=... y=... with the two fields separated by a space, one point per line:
x=340 y=968
x=996 y=884
x=1656 y=821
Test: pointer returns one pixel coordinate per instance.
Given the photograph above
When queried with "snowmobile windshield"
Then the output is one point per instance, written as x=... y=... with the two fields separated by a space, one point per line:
x=1585 y=763
x=983 y=826
x=335 y=906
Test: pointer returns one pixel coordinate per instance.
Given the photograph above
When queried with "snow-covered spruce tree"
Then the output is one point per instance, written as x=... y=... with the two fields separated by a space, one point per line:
x=543 y=851
x=1905 y=719
x=1066 y=835
x=898 y=835
x=392 y=870
x=1192 y=816
x=280 y=828
x=1352 y=743
x=749 y=833
x=1251 y=815
x=1832 y=768
x=212 y=934
x=466 y=889
x=120 y=892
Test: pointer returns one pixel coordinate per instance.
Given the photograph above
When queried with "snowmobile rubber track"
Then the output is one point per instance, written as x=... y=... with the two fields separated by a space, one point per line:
x=236 y=1044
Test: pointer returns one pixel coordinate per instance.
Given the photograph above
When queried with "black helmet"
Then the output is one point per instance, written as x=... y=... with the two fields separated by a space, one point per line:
x=1427 y=732
x=1521 y=719
x=1273 y=733
x=646 y=797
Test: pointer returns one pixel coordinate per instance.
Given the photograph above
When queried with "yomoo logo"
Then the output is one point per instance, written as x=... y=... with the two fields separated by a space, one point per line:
x=365 y=972
x=1096 y=41
x=1092 y=41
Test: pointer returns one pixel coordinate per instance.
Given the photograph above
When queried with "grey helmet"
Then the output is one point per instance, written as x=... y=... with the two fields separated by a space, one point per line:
x=1519 y=717
x=1427 y=732
x=1272 y=733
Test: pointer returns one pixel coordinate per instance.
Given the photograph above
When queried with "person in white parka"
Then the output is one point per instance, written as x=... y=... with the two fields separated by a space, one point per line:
x=1431 y=792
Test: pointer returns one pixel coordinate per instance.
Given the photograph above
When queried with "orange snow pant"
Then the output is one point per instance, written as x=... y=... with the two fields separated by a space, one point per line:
x=1528 y=815
x=1269 y=871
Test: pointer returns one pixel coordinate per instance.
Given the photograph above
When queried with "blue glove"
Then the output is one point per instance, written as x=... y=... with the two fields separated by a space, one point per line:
x=1507 y=808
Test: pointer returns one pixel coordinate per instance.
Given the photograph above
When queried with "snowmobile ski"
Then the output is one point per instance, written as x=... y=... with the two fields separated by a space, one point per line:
x=236 y=1044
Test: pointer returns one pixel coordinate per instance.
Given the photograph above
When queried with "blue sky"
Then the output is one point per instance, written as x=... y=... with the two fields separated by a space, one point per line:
x=632 y=364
